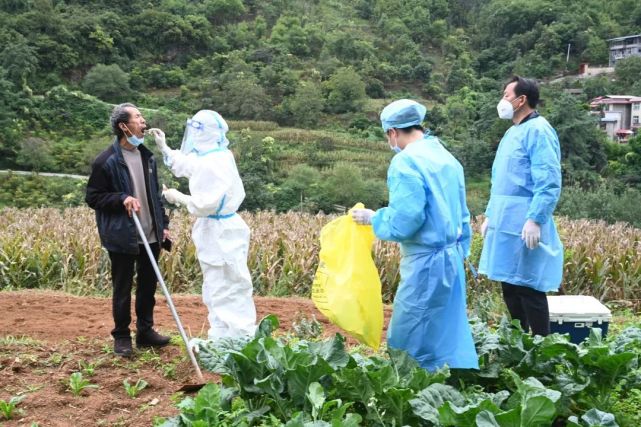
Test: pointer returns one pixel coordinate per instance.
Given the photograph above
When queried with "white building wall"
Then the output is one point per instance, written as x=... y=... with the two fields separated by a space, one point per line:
x=636 y=115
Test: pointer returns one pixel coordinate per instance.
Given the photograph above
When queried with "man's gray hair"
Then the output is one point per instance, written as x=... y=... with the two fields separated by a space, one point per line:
x=120 y=115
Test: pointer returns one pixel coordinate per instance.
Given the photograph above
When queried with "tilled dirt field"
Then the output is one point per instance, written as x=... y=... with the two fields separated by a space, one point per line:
x=46 y=336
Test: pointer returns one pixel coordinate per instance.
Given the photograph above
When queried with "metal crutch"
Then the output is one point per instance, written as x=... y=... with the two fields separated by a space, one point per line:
x=170 y=303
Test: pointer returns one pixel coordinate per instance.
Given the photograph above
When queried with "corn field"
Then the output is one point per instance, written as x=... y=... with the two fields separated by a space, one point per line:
x=60 y=250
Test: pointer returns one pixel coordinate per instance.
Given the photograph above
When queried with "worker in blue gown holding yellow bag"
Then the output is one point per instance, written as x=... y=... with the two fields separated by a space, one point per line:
x=522 y=249
x=427 y=214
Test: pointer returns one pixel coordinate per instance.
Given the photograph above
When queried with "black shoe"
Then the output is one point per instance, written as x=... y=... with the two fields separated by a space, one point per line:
x=151 y=338
x=122 y=347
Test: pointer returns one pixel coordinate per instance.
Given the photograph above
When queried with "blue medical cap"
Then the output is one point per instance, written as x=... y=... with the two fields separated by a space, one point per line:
x=401 y=114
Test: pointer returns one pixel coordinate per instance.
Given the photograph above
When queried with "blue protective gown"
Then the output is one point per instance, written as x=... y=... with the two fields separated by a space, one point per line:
x=428 y=216
x=526 y=183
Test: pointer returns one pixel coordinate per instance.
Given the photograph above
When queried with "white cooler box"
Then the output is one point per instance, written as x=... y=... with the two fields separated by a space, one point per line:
x=576 y=315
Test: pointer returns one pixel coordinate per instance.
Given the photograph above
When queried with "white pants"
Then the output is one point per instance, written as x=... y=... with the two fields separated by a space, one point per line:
x=222 y=247
x=227 y=293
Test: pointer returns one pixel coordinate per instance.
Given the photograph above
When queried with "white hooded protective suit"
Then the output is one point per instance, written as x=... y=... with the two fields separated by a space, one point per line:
x=220 y=235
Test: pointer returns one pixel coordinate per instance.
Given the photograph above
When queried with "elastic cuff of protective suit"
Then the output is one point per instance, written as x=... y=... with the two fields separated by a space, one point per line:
x=538 y=219
x=375 y=218
x=166 y=158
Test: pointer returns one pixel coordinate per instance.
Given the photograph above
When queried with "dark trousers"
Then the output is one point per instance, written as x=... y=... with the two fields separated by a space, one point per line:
x=529 y=306
x=122 y=275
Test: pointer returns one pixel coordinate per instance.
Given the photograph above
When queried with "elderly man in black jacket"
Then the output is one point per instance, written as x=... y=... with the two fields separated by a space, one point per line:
x=124 y=179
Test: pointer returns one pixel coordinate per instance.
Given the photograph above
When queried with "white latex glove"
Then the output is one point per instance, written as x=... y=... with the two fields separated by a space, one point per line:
x=362 y=216
x=531 y=234
x=194 y=345
x=159 y=137
x=484 y=227
x=174 y=196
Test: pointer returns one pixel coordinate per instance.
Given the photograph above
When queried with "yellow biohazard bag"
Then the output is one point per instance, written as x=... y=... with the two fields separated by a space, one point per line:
x=347 y=288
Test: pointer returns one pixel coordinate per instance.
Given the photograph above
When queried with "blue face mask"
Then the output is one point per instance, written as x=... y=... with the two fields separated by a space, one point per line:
x=395 y=148
x=133 y=139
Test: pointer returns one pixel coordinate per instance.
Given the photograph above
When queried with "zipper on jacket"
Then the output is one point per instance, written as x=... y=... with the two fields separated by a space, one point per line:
x=123 y=163
x=159 y=233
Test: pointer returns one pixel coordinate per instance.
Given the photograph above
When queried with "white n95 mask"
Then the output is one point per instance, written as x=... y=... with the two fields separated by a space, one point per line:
x=505 y=109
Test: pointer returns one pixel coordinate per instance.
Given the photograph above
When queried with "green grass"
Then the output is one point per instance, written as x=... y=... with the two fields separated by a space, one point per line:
x=19 y=340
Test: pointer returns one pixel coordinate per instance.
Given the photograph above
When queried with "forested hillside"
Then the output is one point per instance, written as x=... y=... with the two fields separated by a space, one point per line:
x=302 y=83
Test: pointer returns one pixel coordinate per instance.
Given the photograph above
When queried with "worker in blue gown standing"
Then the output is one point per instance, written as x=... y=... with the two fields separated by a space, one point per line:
x=521 y=247
x=427 y=214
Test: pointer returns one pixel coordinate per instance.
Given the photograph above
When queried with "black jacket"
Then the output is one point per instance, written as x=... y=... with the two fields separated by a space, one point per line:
x=108 y=187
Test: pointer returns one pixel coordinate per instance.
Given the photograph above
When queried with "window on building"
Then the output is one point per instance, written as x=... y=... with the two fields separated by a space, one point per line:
x=635 y=120
x=636 y=107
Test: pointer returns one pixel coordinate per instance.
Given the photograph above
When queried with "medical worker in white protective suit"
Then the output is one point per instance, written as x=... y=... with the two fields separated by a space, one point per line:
x=427 y=214
x=220 y=235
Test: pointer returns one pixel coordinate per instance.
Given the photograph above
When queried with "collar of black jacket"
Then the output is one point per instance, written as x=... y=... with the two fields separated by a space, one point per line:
x=145 y=152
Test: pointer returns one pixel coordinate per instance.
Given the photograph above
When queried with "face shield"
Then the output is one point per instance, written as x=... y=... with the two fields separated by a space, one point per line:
x=204 y=133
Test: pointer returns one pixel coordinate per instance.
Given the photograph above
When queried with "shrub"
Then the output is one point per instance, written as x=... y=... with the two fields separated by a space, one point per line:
x=346 y=91
x=107 y=82
x=35 y=154
x=604 y=202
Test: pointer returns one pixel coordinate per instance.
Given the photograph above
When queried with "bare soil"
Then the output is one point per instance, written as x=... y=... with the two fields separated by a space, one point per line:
x=46 y=336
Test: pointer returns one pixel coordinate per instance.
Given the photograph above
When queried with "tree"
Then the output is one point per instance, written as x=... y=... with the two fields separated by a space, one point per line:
x=627 y=72
x=20 y=61
x=350 y=46
x=107 y=82
x=9 y=125
x=633 y=160
x=304 y=107
x=375 y=88
x=344 y=185
x=224 y=11
x=476 y=157
x=243 y=98
x=156 y=76
x=596 y=51
x=15 y=6
x=300 y=190
x=256 y=168
x=461 y=109
x=488 y=126
x=415 y=15
x=346 y=91
x=596 y=86
x=289 y=33
x=35 y=154
x=303 y=179
x=279 y=80
x=582 y=142
x=461 y=74
x=375 y=193
x=624 y=161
